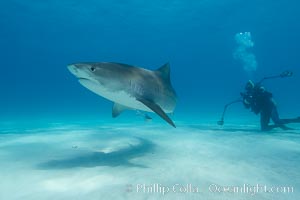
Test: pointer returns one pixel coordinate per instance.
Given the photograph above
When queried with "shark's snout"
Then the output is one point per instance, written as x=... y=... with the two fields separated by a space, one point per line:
x=79 y=71
x=73 y=69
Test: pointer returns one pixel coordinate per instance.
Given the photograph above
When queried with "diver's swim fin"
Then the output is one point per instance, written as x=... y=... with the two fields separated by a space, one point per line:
x=289 y=121
x=284 y=127
x=157 y=109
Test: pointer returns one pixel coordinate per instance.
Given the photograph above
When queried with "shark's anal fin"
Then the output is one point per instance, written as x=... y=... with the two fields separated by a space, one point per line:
x=157 y=109
x=117 y=109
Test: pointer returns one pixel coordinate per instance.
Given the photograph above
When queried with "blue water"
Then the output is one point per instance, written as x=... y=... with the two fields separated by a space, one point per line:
x=38 y=39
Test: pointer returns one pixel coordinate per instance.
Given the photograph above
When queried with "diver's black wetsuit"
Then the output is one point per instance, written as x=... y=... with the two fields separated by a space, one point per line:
x=261 y=102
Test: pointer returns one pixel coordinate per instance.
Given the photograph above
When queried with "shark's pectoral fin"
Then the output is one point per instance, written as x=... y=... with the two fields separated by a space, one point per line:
x=157 y=109
x=117 y=109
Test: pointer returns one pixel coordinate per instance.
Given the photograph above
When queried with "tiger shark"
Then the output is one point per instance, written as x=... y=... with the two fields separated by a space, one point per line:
x=129 y=87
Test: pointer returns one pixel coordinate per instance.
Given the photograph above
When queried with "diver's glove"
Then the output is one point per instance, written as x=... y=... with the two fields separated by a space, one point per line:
x=247 y=99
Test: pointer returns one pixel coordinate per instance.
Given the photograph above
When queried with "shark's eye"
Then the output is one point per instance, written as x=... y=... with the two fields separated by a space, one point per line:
x=93 y=69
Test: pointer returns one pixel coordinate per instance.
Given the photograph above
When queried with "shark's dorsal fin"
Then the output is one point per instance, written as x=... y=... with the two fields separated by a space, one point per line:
x=164 y=71
x=117 y=109
x=157 y=109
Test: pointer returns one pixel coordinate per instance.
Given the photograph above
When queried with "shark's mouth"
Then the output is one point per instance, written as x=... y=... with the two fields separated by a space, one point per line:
x=83 y=79
x=87 y=82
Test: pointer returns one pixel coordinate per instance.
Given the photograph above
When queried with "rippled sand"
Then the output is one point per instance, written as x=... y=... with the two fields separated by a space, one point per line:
x=116 y=161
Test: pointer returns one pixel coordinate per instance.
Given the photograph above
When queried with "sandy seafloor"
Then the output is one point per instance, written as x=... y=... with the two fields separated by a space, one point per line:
x=110 y=161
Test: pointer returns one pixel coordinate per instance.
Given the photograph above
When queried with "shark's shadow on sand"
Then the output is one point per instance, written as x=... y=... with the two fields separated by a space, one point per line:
x=120 y=157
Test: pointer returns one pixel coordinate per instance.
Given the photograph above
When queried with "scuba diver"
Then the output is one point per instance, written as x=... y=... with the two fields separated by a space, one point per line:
x=260 y=101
